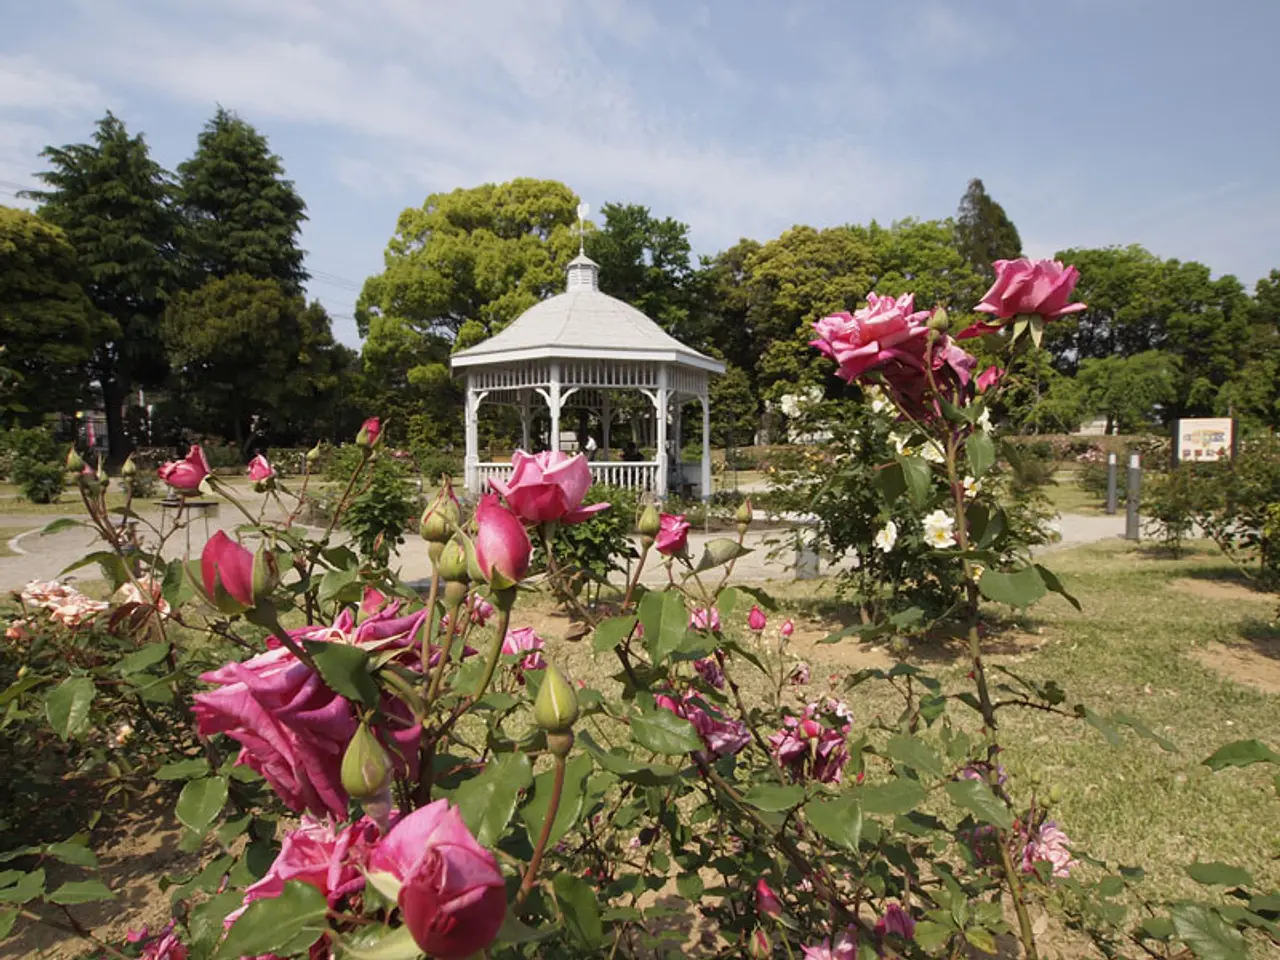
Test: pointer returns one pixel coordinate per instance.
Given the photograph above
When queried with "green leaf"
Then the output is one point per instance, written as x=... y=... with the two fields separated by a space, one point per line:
x=176 y=588
x=1052 y=582
x=915 y=473
x=1100 y=723
x=981 y=453
x=581 y=912
x=892 y=798
x=976 y=797
x=513 y=931
x=1021 y=588
x=76 y=854
x=773 y=798
x=7 y=919
x=345 y=670
x=836 y=821
x=1140 y=728
x=1212 y=873
x=981 y=938
x=1202 y=930
x=487 y=801
x=720 y=551
x=665 y=623
x=690 y=886
x=1241 y=753
x=663 y=732
x=112 y=566
x=646 y=774
x=67 y=706
x=1161 y=928
x=140 y=660
x=381 y=943
x=914 y=753
x=19 y=687
x=612 y=632
x=200 y=803
x=892 y=482
x=534 y=812
x=81 y=891
x=28 y=888
x=339 y=585
x=284 y=925
x=183 y=770
x=932 y=936
x=62 y=523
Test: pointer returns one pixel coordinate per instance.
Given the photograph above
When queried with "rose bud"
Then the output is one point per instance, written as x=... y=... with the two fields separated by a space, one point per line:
x=502 y=547
x=370 y=433
x=756 y=619
x=228 y=574
x=556 y=708
x=650 y=522
x=673 y=535
x=744 y=515
x=440 y=519
x=366 y=768
x=129 y=469
x=74 y=463
x=767 y=902
x=186 y=475
x=452 y=567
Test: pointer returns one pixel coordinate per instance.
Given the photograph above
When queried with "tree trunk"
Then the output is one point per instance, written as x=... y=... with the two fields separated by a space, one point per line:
x=118 y=446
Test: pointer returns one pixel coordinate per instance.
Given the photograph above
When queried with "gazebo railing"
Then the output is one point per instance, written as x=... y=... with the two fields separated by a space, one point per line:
x=635 y=475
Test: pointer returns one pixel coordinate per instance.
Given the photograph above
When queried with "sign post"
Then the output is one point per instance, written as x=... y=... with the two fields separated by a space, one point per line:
x=1112 y=470
x=1132 y=527
x=1202 y=439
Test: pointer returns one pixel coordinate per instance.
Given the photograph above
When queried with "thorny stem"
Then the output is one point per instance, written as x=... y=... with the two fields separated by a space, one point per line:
x=495 y=651
x=429 y=625
x=557 y=788
x=438 y=678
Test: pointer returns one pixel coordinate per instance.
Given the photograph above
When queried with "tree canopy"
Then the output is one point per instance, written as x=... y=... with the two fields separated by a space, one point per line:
x=984 y=232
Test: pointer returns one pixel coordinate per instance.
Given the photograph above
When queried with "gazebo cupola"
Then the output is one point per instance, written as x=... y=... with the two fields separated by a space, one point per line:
x=577 y=351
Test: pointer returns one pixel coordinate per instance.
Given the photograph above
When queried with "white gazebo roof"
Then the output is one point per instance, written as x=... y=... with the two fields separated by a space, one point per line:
x=583 y=324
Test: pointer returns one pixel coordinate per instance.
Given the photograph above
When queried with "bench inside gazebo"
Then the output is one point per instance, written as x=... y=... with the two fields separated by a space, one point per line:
x=584 y=350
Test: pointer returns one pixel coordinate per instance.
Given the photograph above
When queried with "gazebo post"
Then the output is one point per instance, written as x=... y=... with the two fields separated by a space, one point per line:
x=471 y=421
x=526 y=417
x=660 y=405
x=606 y=416
x=677 y=423
x=706 y=445
x=553 y=403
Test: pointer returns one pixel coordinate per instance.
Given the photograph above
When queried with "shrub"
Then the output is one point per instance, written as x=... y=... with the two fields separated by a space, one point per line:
x=433 y=463
x=39 y=482
x=379 y=516
x=32 y=444
x=590 y=551
x=1235 y=506
x=1170 y=502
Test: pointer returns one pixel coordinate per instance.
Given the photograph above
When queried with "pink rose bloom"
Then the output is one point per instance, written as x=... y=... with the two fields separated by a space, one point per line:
x=845 y=948
x=809 y=749
x=226 y=569
x=330 y=859
x=501 y=543
x=260 y=470
x=185 y=476
x=756 y=619
x=163 y=946
x=710 y=671
x=548 y=486
x=370 y=432
x=989 y=378
x=1052 y=846
x=722 y=736
x=292 y=728
x=481 y=610
x=767 y=902
x=524 y=640
x=372 y=601
x=887 y=332
x=1025 y=287
x=452 y=894
x=673 y=534
x=896 y=921
x=788 y=627
x=700 y=619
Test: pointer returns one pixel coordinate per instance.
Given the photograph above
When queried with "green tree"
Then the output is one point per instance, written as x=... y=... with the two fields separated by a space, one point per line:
x=244 y=216
x=727 y=284
x=484 y=254
x=984 y=232
x=48 y=326
x=244 y=347
x=921 y=257
x=735 y=413
x=648 y=263
x=1131 y=392
x=1252 y=392
x=114 y=204
x=405 y=377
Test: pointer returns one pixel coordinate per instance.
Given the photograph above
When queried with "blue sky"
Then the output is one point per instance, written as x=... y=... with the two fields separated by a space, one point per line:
x=1092 y=121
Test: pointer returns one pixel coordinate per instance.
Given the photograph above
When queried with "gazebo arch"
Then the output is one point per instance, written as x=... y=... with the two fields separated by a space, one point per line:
x=575 y=350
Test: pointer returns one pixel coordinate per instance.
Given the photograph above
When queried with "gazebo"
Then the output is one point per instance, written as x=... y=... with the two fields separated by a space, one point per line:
x=573 y=352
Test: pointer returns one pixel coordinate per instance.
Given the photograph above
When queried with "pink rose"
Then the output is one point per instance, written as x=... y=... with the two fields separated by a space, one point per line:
x=1050 y=844
x=260 y=470
x=788 y=627
x=844 y=948
x=548 y=486
x=1025 y=287
x=756 y=619
x=165 y=945
x=673 y=535
x=501 y=543
x=989 y=378
x=896 y=921
x=524 y=640
x=810 y=749
x=700 y=619
x=452 y=894
x=767 y=902
x=709 y=670
x=226 y=568
x=330 y=859
x=372 y=601
x=722 y=736
x=185 y=476
x=370 y=433
x=481 y=610
x=292 y=728
x=887 y=333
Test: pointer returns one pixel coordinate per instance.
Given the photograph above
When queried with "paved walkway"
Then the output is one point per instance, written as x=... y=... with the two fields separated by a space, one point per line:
x=44 y=557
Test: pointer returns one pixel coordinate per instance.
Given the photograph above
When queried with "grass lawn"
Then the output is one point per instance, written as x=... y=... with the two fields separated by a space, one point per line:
x=13 y=502
x=1067 y=496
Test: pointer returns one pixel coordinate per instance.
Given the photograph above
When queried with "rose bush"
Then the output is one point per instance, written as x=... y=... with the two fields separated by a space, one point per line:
x=451 y=810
